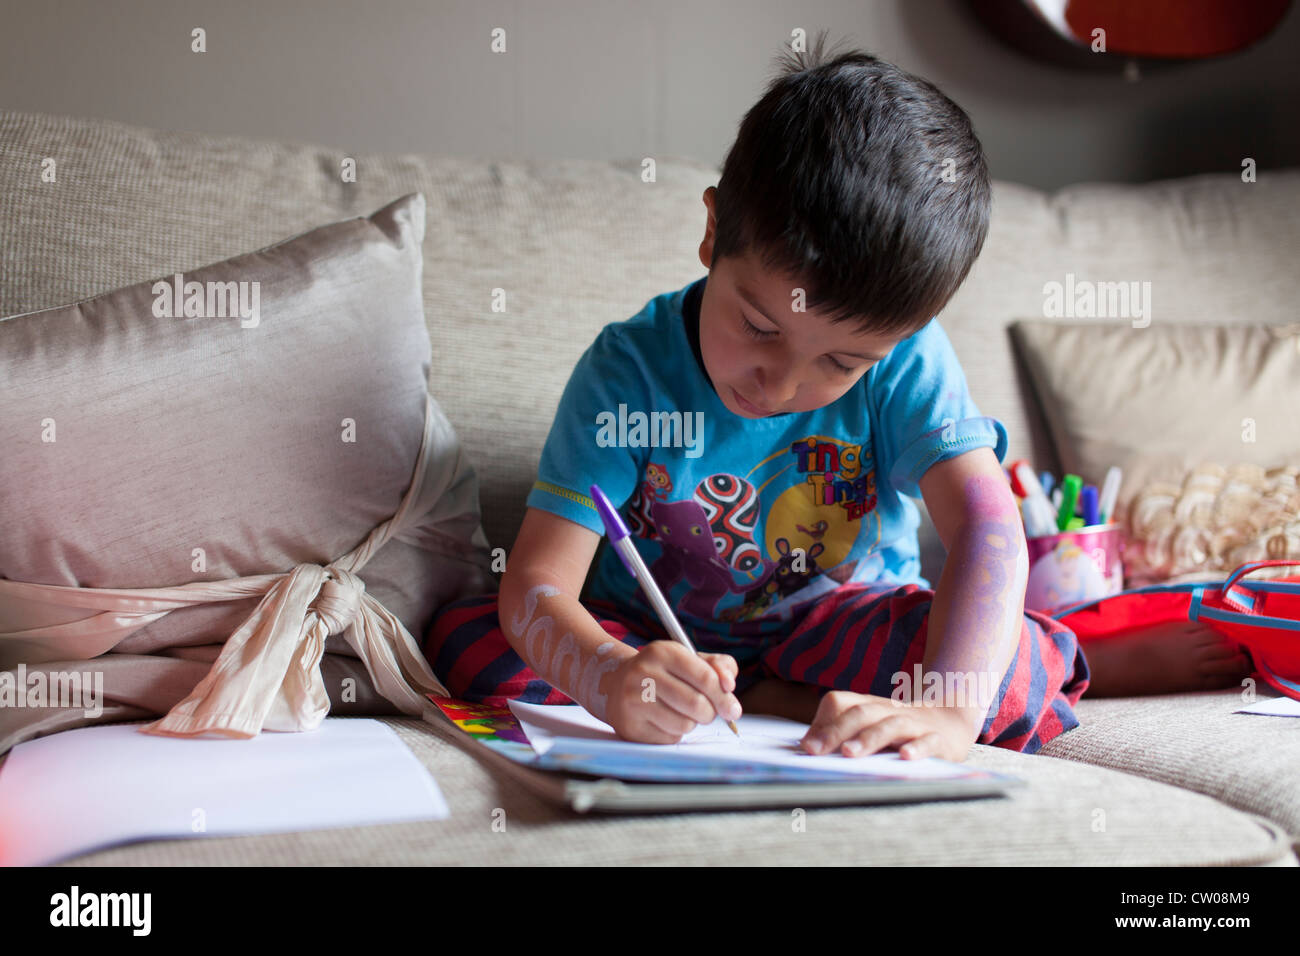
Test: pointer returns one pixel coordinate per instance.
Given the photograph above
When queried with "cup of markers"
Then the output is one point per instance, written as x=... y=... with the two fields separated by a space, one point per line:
x=1075 y=547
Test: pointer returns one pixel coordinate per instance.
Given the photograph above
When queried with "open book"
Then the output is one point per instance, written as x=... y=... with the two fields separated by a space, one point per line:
x=567 y=755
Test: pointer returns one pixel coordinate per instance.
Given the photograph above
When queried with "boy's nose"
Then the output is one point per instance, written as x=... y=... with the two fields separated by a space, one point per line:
x=776 y=386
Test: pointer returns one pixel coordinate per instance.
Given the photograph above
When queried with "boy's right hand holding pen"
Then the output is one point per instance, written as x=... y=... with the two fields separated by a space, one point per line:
x=621 y=541
x=662 y=692
x=557 y=637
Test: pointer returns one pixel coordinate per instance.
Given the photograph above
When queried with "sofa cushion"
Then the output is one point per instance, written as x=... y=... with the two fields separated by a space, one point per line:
x=1069 y=814
x=1195 y=741
x=1161 y=399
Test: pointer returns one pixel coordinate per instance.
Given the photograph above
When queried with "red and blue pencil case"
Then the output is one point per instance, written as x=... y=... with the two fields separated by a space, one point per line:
x=1261 y=615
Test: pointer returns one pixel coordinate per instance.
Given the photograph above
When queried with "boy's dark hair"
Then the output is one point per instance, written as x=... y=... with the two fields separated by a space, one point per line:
x=836 y=178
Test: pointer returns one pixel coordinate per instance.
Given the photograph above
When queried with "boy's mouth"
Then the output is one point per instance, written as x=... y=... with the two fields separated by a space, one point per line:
x=749 y=407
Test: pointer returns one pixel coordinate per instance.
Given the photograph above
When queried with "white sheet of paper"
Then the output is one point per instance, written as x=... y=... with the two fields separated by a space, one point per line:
x=92 y=787
x=1273 y=706
x=763 y=739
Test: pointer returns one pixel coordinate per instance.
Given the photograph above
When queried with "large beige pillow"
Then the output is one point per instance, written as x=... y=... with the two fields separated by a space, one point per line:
x=1157 y=401
x=1204 y=421
x=146 y=449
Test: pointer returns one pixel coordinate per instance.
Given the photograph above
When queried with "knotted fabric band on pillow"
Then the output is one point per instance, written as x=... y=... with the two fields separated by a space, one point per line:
x=218 y=459
x=276 y=652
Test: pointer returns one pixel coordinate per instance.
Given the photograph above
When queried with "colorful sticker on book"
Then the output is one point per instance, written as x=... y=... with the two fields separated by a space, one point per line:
x=485 y=722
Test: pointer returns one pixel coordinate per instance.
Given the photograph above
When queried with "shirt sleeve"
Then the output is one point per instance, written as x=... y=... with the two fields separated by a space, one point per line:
x=924 y=411
x=583 y=447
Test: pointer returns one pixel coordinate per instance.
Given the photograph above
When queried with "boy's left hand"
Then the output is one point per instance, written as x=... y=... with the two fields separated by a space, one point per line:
x=861 y=724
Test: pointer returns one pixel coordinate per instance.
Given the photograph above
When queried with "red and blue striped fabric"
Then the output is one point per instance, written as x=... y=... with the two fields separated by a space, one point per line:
x=854 y=638
x=471 y=656
x=859 y=636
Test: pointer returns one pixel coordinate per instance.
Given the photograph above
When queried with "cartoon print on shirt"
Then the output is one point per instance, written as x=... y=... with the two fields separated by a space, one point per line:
x=816 y=531
x=704 y=539
x=654 y=487
x=731 y=505
x=793 y=572
x=837 y=474
x=830 y=506
x=809 y=529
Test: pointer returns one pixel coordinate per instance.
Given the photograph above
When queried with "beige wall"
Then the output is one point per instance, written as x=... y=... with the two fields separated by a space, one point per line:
x=614 y=79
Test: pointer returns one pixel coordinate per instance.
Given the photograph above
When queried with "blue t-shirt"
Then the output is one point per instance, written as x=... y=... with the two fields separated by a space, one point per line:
x=743 y=520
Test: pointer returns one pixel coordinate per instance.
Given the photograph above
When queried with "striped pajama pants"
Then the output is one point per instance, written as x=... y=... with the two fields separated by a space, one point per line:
x=854 y=638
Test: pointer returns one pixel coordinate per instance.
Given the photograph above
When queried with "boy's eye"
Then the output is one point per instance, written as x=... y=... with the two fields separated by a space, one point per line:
x=753 y=330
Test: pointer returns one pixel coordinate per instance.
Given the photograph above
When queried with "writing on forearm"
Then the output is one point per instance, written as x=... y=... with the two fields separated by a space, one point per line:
x=562 y=662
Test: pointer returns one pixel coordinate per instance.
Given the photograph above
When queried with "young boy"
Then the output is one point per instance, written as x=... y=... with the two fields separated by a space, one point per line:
x=760 y=431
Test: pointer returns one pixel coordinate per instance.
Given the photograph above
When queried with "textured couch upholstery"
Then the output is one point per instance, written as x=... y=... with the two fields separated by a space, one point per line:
x=577 y=244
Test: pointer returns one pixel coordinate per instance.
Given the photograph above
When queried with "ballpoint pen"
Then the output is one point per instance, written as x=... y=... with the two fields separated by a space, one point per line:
x=620 y=540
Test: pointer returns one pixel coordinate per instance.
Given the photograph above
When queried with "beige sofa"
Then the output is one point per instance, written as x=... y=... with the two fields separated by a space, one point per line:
x=1174 y=780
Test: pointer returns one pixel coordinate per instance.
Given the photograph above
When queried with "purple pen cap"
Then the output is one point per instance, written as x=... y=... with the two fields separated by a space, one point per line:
x=614 y=526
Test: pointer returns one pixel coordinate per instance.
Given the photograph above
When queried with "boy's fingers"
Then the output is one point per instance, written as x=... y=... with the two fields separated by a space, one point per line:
x=726 y=667
x=684 y=699
x=898 y=731
x=926 y=746
x=669 y=723
x=832 y=729
x=887 y=732
x=652 y=732
x=828 y=709
x=700 y=674
x=668 y=707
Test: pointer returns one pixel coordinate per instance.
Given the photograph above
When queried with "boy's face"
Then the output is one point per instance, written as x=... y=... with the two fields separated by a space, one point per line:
x=764 y=358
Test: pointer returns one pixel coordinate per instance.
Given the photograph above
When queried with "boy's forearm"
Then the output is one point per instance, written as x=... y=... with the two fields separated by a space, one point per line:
x=559 y=639
x=977 y=613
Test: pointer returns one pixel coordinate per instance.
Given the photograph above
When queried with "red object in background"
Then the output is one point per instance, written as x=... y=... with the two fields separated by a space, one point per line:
x=1016 y=484
x=1263 y=616
x=1174 y=29
x=1157 y=31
